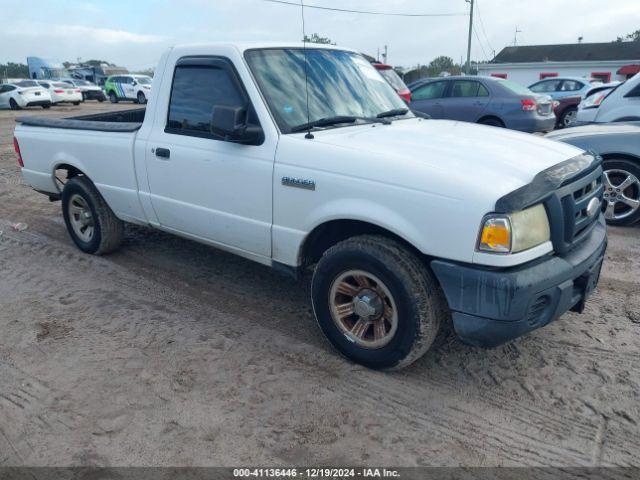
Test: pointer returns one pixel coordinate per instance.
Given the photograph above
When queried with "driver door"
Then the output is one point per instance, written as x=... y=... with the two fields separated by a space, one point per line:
x=201 y=185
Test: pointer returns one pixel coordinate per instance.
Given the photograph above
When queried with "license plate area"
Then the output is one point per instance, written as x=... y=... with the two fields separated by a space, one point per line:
x=585 y=284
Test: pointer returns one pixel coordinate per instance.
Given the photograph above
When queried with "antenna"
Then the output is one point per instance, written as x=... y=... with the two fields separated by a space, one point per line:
x=309 y=135
x=515 y=36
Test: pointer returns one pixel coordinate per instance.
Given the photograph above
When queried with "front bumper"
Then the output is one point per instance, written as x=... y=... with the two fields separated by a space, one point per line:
x=492 y=306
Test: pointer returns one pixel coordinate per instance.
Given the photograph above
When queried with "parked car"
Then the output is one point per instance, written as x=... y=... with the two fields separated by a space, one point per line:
x=391 y=76
x=618 y=104
x=22 y=94
x=565 y=111
x=600 y=87
x=560 y=87
x=486 y=100
x=407 y=223
x=89 y=91
x=136 y=88
x=62 y=92
x=619 y=146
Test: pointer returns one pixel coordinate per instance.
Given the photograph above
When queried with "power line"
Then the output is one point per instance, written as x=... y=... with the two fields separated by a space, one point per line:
x=482 y=26
x=367 y=12
x=480 y=43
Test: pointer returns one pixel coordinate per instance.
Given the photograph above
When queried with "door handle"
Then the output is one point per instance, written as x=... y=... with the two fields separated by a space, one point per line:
x=163 y=152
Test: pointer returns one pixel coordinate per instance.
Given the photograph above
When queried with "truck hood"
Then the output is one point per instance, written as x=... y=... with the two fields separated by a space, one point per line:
x=490 y=158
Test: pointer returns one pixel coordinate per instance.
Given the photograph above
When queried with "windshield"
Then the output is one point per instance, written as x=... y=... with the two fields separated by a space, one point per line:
x=514 y=87
x=143 y=80
x=393 y=78
x=341 y=84
x=27 y=83
x=84 y=83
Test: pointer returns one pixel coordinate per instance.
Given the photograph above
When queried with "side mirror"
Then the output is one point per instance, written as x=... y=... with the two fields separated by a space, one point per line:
x=134 y=83
x=231 y=123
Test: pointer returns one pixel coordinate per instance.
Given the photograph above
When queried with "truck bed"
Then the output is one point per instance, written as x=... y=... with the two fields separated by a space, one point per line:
x=122 y=121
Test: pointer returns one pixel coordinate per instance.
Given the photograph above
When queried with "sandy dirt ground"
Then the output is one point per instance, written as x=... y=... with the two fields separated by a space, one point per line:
x=172 y=353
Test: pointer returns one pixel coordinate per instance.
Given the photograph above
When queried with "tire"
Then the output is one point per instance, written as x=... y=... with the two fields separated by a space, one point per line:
x=141 y=98
x=76 y=103
x=405 y=282
x=492 y=122
x=46 y=106
x=14 y=105
x=108 y=230
x=113 y=98
x=568 y=117
x=616 y=172
x=101 y=100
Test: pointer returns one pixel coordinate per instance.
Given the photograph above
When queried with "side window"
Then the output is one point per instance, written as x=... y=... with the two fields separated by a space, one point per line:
x=430 y=91
x=195 y=91
x=45 y=85
x=571 y=86
x=546 y=87
x=3 y=88
x=468 y=88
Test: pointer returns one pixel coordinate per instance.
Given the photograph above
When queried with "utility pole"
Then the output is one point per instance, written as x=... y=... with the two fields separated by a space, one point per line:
x=468 y=67
x=385 y=54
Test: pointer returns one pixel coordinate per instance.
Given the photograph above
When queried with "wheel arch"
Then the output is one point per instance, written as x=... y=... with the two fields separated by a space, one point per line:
x=621 y=156
x=491 y=116
x=330 y=232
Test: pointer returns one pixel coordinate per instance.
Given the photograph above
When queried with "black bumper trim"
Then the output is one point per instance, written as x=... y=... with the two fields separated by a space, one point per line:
x=492 y=306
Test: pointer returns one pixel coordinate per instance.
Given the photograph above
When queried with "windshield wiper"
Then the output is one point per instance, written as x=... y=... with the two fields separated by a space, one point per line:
x=393 y=113
x=324 y=122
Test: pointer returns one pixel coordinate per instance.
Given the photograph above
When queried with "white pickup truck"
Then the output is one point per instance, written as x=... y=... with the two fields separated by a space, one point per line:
x=303 y=158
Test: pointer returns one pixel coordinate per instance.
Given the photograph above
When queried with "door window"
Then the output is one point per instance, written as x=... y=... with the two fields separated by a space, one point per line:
x=430 y=91
x=195 y=91
x=468 y=88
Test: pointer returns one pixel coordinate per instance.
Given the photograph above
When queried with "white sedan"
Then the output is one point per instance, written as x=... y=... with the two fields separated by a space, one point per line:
x=62 y=92
x=25 y=93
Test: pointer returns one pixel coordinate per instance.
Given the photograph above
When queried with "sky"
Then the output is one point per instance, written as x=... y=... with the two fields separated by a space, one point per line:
x=134 y=33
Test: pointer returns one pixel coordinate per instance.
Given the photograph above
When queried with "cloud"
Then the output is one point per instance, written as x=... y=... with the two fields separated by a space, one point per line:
x=79 y=32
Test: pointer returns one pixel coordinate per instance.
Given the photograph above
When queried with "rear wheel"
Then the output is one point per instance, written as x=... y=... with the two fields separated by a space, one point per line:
x=92 y=225
x=113 y=98
x=46 y=106
x=13 y=104
x=76 y=103
x=622 y=191
x=492 y=121
x=568 y=117
x=376 y=302
x=141 y=98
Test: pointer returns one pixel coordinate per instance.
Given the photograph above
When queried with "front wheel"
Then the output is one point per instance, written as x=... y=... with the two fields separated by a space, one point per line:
x=92 y=225
x=76 y=103
x=113 y=98
x=621 y=191
x=376 y=302
x=141 y=98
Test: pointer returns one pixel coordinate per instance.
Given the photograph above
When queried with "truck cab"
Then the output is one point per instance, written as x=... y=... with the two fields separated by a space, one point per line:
x=303 y=158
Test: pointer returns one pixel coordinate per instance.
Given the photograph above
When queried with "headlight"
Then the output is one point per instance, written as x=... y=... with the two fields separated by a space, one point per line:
x=593 y=101
x=514 y=232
